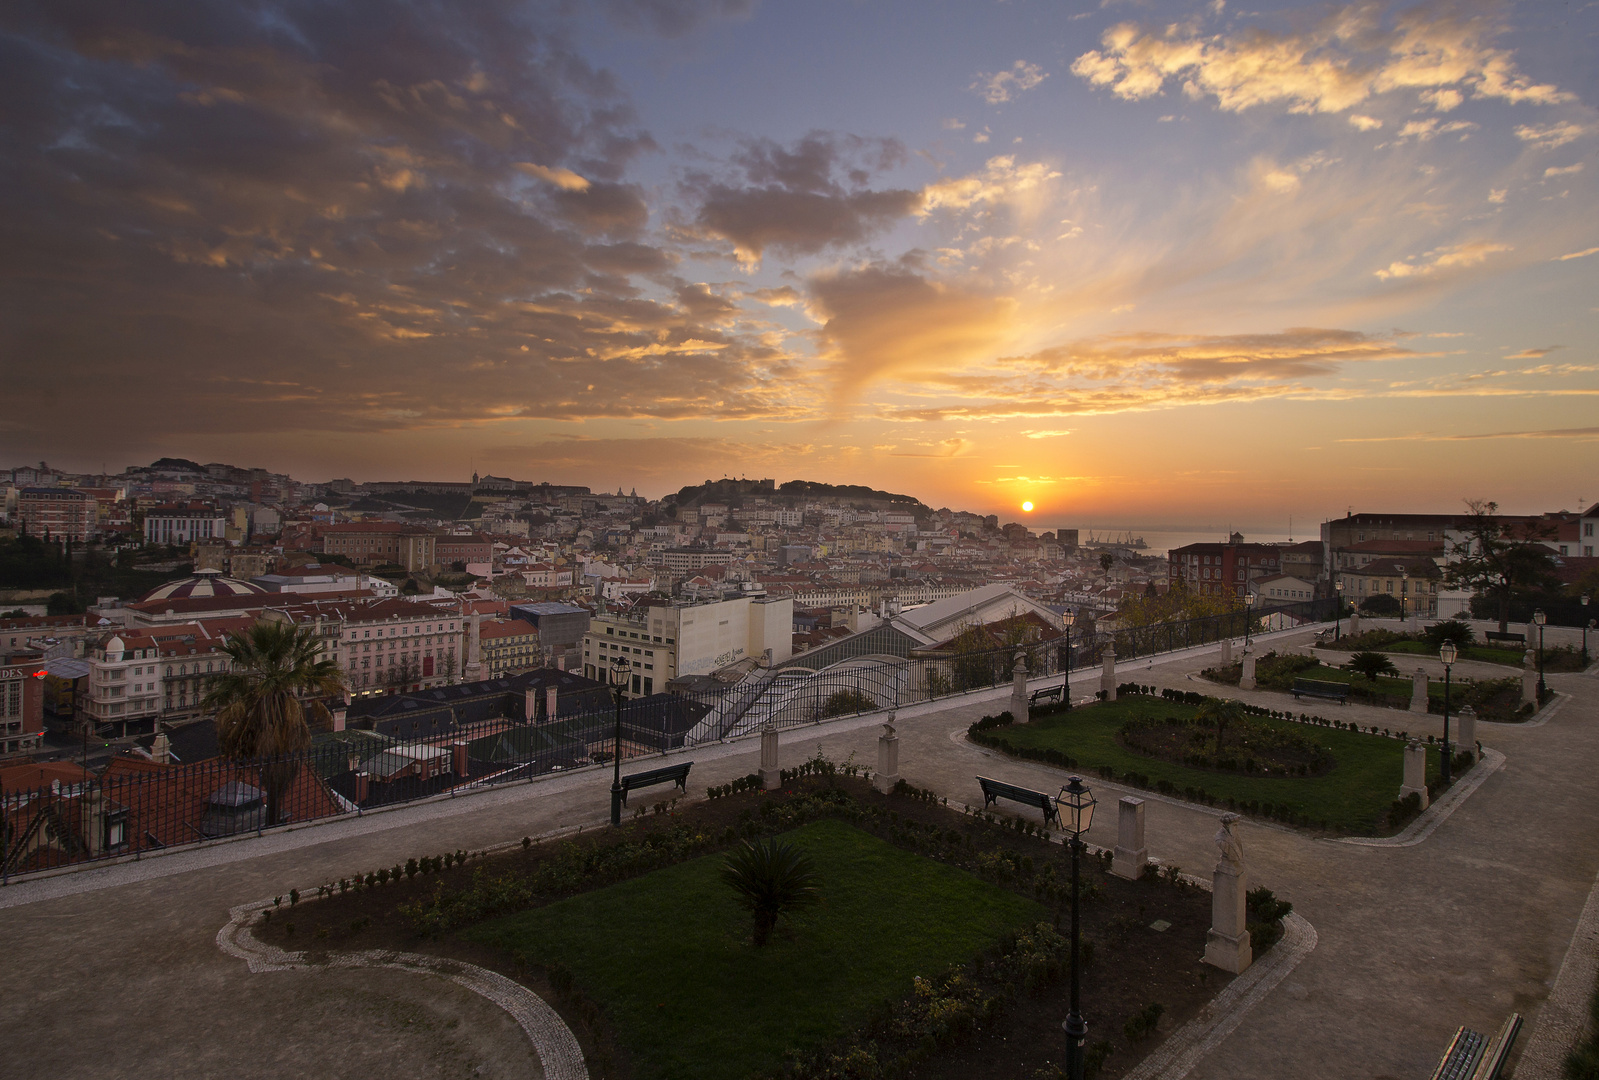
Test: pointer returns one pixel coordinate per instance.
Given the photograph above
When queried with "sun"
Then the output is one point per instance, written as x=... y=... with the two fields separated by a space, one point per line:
x=1027 y=507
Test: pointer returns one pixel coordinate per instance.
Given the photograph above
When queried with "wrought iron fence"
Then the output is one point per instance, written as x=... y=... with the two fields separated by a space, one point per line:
x=136 y=807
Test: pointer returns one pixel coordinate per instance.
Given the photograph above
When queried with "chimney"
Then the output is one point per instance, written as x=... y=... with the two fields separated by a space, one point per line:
x=362 y=782
x=161 y=749
x=458 y=758
x=339 y=716
x=551 y=705
x=530 y=704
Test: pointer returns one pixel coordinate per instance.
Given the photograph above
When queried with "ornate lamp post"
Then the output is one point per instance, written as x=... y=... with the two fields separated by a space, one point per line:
x=1539 y=618
x=1076 y=805
x=1249 y=615
x=1404 y=591
x=1338 y=609
x=1585 y=627
x=621 y=669
x=1070 y=618
x=1448 y=654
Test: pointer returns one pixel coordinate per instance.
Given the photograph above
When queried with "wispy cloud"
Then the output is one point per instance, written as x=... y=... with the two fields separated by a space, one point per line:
x=1550 y=136
x=1001 y=86
x=1354 y=54
x=1460 y=256
x=1583 y=434
x=1583 y=254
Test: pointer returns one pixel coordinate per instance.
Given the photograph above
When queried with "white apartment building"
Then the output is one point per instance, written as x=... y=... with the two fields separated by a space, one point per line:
x=124 y=684
x=183 y=526
x=387 y=644
x=665 y=640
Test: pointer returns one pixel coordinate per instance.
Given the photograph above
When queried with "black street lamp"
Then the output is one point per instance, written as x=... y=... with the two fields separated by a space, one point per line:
x=1338 y=609
x=621 y=669
x=1070 y=618
x=1404 y=594
x=1585 y=628
x=1448 y=654
x=1249 y=615
x=1076 y=807
x=1539 y=618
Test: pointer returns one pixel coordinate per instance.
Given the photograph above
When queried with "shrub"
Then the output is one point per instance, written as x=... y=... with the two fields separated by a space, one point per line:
x=846 y=702
x=771 y=877
x=1264 y=915
x=1381 y=604
x=1455 y=630
x=1371 y=665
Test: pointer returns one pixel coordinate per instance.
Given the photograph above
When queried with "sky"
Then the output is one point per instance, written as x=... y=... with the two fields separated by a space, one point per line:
x=1129 y=261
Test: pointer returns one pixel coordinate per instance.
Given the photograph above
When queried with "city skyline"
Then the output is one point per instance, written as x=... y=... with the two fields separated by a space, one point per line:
x=1132 y=262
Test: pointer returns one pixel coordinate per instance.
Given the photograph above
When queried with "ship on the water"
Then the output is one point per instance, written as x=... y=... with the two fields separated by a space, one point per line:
x=1116 y=540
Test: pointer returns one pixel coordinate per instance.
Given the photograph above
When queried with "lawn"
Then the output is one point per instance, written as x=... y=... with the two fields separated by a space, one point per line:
x=1511 y=657
x=1352 y=798
x=668 y=956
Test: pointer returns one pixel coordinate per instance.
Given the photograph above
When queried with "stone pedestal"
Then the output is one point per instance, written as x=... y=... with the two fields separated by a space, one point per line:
x=1529 y=679
x=1354 y=624
x=1227 y=944
x=1107 y=674
x=1248 y=680
x=1465 y=736
x=1415 y=772
x=887 y=774
x=771 y=775
x=1131 y=855
x=1418 y=691
x=1018 y=689
x=1226 y=652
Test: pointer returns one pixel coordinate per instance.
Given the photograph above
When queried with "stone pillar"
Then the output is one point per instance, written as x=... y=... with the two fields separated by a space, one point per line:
x=92 y=819
x=474 y=649
x=1418 y=691
x=1227 y=944
x=1354 y=623
x=1415 y=772
x=1107 y=675
x=1529 y=679
x=1226 y=652
x=771 y=775
x=1466 y=734
x=887 y=774
x=1247 y=682
x=1018 y=688
x=1131 y=854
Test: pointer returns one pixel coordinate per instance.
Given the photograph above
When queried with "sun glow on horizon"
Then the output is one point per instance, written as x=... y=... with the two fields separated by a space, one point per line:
x=1027 y=507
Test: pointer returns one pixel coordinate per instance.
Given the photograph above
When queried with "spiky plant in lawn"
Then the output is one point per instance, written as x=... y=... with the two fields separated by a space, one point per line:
x=771 y=877
x=1371 y=665
x=1218 y=713
x=261 y=701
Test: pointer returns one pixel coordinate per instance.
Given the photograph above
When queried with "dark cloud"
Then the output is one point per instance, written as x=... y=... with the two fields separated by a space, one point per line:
x=801 y=199
x=358 y=217
x=674 y=18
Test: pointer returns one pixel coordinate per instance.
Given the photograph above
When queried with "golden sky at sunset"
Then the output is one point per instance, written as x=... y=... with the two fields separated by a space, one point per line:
x=1132 y=261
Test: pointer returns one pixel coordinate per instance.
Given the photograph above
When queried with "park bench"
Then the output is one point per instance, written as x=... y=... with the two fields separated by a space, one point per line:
x=671 y=774
x=1508 y=639
x=1473 y=1056
x=998 y=789
x=1048 y=693
x=1332 y=691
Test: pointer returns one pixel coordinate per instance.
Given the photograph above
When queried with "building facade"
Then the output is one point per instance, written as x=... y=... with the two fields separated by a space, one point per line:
x=21 y=709
x=57 y=513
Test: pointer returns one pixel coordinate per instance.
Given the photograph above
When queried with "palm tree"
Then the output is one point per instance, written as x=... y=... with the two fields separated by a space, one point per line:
x=260 y=701
x=1219 y=712
x=1371 y=665
x=771 y=877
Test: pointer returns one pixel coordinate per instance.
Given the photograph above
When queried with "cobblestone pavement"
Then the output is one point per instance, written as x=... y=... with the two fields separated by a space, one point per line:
x=118 y=966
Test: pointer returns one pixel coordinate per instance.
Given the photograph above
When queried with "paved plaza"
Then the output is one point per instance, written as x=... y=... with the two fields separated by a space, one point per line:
x=117 y=970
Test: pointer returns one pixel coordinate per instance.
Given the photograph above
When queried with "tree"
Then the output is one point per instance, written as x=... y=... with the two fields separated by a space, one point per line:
x=1106 y=561
x=771 y=878
x=1381 y=604
x=260 y=701
x=1496 y=559
x=1371 y=665
x=1219 y=712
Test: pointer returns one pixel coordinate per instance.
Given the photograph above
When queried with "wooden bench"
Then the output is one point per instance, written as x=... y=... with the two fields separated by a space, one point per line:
x=1048 y=693
x=671 y=774
x=1508 y=639
x=998 y=789
x=1472 y=1056
x=1317 y=688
